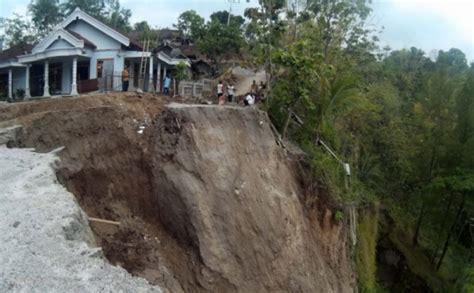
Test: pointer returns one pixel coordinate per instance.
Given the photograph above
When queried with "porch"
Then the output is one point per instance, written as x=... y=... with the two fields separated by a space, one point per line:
x=45 y=78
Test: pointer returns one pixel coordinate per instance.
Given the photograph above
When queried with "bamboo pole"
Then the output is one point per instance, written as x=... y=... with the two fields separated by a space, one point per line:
x=104 y=221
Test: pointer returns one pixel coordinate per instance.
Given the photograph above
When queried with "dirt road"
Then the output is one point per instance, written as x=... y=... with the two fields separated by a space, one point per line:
x=246 y=78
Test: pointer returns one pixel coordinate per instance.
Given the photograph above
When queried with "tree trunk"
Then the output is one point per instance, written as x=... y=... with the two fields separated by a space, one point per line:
x=446 y=243
x=287 y=123
x=418 y=224
x=288 y=118
x=438 y=240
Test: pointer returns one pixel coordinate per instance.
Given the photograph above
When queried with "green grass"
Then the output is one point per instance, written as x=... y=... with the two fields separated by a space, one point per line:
x=366 y=262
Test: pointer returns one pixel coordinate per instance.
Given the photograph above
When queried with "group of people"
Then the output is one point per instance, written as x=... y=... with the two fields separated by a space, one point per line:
x=223 y=91
x=255 y=94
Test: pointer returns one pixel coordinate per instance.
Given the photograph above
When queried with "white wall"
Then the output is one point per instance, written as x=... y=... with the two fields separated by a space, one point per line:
x=98 y=38
x=60 y=44
x=118 y=65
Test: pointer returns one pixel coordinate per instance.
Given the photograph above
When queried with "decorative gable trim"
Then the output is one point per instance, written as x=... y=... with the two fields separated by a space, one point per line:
x=55 y=35
x=81 y=15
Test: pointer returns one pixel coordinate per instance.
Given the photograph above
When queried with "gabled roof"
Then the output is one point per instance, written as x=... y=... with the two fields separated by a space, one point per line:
x=170 y=51
x=13 y=52
x=80 y=37
x=55 y=35
x=81 y=15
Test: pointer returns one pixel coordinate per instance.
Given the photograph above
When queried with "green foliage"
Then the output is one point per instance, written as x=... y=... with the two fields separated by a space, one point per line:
x=45 y=14
x=218 y=39
x=190 y=24
x=181 y=71
x=117 y=16
x=339 y=216
x=108 y=11
x=465 y=284
x=224 y=18
x=403 y=122
x=92 y=7
x=367 y=231
x=18 y=30
x=214 y=38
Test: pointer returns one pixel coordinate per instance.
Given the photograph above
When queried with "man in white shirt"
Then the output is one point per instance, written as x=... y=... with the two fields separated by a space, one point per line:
x=249 y=100
x=230 y=93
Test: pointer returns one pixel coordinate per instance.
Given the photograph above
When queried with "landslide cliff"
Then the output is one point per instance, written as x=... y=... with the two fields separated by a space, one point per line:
x=224 y=186
x=207 y=199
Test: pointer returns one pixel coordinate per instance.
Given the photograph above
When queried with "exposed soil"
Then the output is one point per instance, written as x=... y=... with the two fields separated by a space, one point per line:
x=107 y=163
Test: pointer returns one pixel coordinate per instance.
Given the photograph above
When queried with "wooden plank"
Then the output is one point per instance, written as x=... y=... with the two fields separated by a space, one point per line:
x=104 y=221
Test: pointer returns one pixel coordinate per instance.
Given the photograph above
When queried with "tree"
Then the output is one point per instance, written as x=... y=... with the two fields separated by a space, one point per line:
x=181 y=72
x=18 y=30
x=266 y=29
x=340 y=24
x=190 y=24
x=218 y=39
x=117 y=16
x=142 y=26
x=454 y=58
x=224 y=18
x=92 y=7
x=45 y=14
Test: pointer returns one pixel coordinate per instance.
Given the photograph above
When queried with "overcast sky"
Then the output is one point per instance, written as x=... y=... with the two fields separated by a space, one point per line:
x=427 y=24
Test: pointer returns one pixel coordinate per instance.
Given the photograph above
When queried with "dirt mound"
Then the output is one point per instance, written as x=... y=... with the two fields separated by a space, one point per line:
x=206 y=199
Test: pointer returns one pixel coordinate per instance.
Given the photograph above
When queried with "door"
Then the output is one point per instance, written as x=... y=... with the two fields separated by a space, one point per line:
x=105 y=71
x=55 y=78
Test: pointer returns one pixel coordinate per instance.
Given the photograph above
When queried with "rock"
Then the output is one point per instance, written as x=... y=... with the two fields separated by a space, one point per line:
x=224 y=187
x=9 y=135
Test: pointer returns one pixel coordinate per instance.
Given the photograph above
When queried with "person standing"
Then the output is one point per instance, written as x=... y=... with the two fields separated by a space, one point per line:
x=230 y=93
x=220 y=92
x=166 y=85
x=125 y=76
x=254 y=88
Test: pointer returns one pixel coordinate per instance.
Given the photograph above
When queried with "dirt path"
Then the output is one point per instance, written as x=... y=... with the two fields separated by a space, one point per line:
x=245 y=80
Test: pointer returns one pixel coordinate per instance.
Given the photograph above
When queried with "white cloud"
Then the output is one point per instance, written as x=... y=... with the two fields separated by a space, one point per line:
x=457 y=13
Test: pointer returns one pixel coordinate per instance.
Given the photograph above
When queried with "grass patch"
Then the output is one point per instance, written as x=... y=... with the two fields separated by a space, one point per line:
x=366 y=262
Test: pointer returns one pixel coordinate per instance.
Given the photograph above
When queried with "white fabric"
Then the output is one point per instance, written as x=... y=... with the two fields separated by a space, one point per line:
x=250 y=99
x=231 y=90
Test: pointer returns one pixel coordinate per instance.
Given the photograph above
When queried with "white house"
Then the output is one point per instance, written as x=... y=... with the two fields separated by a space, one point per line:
x=81 y=54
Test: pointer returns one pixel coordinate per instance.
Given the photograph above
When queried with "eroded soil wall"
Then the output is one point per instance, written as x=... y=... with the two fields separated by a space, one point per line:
x=206 y=199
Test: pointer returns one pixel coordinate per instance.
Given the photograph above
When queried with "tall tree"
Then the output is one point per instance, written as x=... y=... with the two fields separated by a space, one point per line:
x=218 y=39
x=93 y=7
x=18 y=30
x=224 y=18
x=45 y=14
x=190 y=24
x=116 y=16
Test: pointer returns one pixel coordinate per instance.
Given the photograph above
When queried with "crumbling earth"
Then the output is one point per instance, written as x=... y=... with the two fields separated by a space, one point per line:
x=206 y=199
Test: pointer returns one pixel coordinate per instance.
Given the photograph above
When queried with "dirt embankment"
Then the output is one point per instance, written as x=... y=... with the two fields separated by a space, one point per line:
x=207 y=200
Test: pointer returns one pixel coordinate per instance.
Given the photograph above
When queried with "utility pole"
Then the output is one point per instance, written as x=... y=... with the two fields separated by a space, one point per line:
x=230 y=9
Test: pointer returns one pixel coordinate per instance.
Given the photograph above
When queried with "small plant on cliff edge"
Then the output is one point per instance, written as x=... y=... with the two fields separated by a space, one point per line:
x=339 y=216
x=181 y=71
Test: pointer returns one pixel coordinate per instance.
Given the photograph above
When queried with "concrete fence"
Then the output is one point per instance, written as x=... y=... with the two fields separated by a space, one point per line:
x=199 y=89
